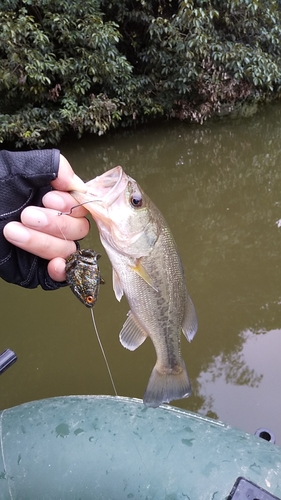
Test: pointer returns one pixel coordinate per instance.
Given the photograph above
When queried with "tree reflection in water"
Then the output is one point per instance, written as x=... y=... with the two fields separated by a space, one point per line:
x=250 y=395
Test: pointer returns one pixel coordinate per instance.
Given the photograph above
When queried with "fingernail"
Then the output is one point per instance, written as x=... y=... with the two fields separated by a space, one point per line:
x=60 y=267
x=33 y=217
x=53 y=200
x=16 y=233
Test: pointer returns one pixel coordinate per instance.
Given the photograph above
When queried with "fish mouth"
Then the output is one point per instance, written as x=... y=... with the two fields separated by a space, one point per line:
x=103 y=190
x=106 y=188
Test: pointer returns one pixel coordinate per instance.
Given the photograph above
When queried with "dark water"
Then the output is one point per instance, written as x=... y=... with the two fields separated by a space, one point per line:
x=219 y=188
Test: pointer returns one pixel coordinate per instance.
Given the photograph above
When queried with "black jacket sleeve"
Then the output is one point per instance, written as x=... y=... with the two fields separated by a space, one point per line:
x=24 y=179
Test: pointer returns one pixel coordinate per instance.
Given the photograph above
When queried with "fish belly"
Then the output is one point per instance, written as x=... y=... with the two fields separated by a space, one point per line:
x=159 y=312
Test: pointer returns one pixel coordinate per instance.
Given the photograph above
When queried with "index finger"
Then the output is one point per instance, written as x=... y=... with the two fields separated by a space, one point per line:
x=64 y=202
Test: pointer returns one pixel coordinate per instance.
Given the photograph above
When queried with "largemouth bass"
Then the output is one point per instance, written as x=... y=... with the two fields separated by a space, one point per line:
x=146 y=268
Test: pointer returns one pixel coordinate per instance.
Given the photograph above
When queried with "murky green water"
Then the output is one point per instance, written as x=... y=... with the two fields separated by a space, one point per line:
x=219 y=187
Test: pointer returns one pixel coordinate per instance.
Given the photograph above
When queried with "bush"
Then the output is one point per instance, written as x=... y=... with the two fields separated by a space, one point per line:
x=201 y=57
x=59 y=68
x=89 y=65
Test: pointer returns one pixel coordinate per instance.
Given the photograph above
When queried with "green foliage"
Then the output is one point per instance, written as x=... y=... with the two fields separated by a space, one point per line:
x=89 y=65
x=59 y=65
x=202 y=57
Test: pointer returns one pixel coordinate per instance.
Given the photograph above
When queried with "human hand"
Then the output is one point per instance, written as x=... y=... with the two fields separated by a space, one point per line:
x=46 y=234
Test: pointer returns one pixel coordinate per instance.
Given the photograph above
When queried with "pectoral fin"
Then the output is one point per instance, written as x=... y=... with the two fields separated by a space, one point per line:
x=141 y=271
x=190 y=322
x=117 y=286
x=132 y=334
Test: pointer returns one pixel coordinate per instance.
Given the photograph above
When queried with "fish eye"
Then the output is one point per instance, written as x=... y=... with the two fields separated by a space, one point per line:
x=136 y=201
x=90 y=299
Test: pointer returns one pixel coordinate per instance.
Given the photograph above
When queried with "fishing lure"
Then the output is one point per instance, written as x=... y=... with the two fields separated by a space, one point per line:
x=83 y=275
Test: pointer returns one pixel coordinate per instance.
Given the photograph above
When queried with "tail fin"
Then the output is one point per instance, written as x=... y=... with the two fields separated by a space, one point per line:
x=165 y=387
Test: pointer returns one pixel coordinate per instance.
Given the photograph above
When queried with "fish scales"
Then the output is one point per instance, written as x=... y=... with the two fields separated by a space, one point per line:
x=146 y=268
x=144 y=299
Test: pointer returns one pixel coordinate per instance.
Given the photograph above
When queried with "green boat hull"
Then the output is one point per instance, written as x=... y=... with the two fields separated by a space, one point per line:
x=102 y=447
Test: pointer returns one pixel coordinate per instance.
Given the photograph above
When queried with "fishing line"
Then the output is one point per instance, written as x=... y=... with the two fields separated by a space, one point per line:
x=103 y=353
x=61 y=231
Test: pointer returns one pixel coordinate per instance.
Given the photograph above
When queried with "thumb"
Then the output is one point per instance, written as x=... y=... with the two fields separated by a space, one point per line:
x=67 y=180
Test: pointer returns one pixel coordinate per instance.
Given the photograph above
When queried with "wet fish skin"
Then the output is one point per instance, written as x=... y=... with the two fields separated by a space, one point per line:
x=147 y=268
x=83 y=275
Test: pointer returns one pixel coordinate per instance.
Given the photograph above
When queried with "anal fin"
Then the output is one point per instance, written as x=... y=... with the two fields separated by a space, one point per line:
x=132 y=334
